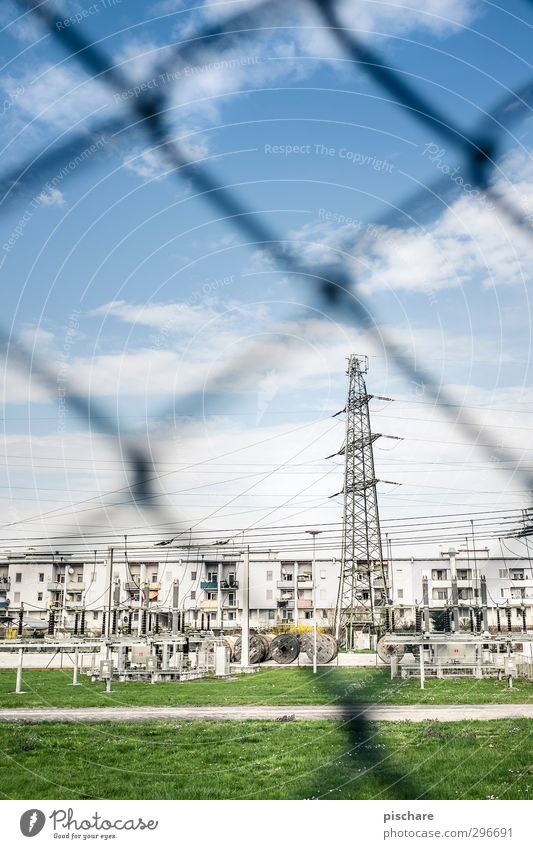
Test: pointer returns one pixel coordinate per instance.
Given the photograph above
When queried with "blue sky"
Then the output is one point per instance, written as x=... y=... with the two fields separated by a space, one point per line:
x=133 y=288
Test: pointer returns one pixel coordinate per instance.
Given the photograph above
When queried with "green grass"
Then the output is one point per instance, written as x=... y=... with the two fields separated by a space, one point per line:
x=269 y=686
x=270 y=760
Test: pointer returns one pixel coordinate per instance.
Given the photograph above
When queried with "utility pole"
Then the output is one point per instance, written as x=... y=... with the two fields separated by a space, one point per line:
x=64 y=599
x=245 y=626
x=110 y=592
x=314 y=534
x=175 y=606
x=363 y=585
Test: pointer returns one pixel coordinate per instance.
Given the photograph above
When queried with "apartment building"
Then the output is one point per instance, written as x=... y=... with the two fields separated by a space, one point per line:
x=143 y=588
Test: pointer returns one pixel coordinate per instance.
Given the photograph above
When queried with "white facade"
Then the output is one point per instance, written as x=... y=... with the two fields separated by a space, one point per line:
x=206 y=587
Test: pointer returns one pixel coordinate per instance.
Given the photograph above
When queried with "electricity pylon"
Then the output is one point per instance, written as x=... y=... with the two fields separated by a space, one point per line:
x=363 y=586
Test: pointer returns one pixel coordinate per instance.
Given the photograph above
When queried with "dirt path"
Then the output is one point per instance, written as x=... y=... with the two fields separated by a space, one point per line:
x=386 y=713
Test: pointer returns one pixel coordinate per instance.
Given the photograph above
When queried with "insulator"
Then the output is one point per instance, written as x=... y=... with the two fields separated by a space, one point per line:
x=479 y=619
x=114 y=622
x=509 y=626
x=471 y=621
x=393 y=620
x=76 y=623
x=103 y=623
x=51 y=622
x=156 y=626
x=143 y=622
x=82 y=624
x=447 y=621
x=20 y=625
x=128 y=627
x=498 y=620
x=418 y=620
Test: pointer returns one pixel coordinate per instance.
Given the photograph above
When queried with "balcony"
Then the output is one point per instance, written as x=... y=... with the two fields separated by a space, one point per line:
x=286 y=583
x=286 y=603
x=208 y=585
x=229 y=585
x=75 y=587
x=74 y=605
x=304 y=603
x=208 y=604
x=131 y=586
x=5 y=584
x=55 y=586
x=305 y=583
x=4 y=603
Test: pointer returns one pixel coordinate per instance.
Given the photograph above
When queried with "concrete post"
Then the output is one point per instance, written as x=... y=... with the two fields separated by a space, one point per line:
x=18 y=688
x=110 y=659
x=75 y=670
x=422 y=670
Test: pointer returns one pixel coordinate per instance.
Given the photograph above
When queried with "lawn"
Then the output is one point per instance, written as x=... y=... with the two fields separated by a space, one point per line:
x=268 y=760
x=47 y=688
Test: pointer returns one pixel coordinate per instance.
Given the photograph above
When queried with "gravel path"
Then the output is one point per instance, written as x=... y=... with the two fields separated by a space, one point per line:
x=387 y=713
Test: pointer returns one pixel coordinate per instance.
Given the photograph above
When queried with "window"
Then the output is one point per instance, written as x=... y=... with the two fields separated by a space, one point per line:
x=39 y=596
x=504 y=573
x=95 y=615
x=271 y=614
x=504 y=592
x=439 y=574
x=231 y=616
x=193 y=576
x=231 y=599
x=80 y=577
x=440 y=595
x=212 y=596
x=308 y=614
x=269 y=595
x=193 y=595
x=212 y=576
x=464 y=574
x=41 y=577
x=323 y=574
x=269 y=575
x=324 y=614
x=17 y=596
x=399 y=593
x=18 y=577
x=154 y=577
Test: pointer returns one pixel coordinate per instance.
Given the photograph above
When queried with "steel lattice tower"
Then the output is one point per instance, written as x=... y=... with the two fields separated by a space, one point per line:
x=363 y=591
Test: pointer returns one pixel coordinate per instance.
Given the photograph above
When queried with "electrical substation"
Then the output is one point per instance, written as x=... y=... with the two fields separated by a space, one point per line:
x=191 y=613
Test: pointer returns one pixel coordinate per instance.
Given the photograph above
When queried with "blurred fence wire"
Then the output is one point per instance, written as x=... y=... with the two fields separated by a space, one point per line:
x=333 y=286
